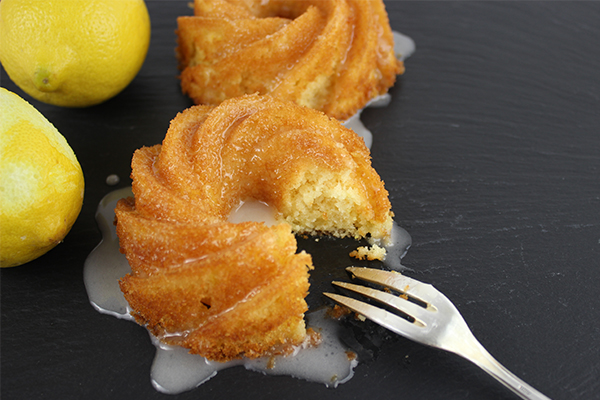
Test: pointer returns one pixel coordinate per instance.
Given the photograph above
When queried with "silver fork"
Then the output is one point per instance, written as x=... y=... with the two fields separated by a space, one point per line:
x=429 y=318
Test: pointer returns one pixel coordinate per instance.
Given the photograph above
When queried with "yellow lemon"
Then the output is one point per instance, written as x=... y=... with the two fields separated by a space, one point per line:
x=41 y=183
x=73 y=53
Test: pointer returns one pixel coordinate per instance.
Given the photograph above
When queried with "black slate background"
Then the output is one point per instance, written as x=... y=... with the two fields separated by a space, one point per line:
x=490 y=150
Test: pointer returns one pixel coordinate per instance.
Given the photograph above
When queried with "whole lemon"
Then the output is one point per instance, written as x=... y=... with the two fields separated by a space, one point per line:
x=41 y=183
x=73 y=53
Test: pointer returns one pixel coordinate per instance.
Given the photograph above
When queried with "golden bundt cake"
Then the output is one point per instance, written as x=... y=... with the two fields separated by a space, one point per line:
x=333 y=55
x=221 y=289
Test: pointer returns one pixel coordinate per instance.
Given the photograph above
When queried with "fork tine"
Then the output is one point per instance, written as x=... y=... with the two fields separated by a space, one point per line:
x=420 y=291
x=398 y=303
x=378 y=315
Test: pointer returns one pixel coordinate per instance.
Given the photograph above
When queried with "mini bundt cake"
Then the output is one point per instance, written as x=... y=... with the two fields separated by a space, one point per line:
x=227 y=290
x=334 y=56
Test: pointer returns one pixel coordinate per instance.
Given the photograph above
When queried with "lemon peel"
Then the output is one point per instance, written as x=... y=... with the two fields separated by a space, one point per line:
x=73 y=53
x=41 y=183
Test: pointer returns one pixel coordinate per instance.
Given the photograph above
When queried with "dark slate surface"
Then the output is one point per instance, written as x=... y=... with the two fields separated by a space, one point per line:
x=491 y=152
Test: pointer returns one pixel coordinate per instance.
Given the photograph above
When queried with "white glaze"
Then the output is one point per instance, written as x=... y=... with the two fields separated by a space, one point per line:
x=174 y=370
x=113 y=179
x=106 y=265
x=253 y=210
x=356 y=124
x=404 y=47
x=397 y=247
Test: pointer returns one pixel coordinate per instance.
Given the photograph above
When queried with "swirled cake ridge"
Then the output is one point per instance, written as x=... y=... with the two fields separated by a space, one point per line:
x=333 y=56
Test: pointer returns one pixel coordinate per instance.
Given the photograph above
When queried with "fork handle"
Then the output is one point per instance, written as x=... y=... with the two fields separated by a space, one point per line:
x=478 y=355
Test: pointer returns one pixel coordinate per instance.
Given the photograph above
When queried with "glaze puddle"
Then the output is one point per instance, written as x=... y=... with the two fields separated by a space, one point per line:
x=356 y=124
x=397 y=248
x=106 y=265
x=253 y=210
x=404 y=47
x=174 y=370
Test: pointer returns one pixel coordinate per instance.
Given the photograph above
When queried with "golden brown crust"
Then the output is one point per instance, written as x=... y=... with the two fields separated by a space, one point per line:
x=250 y=147
x=224 y=290
x=333 y=56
